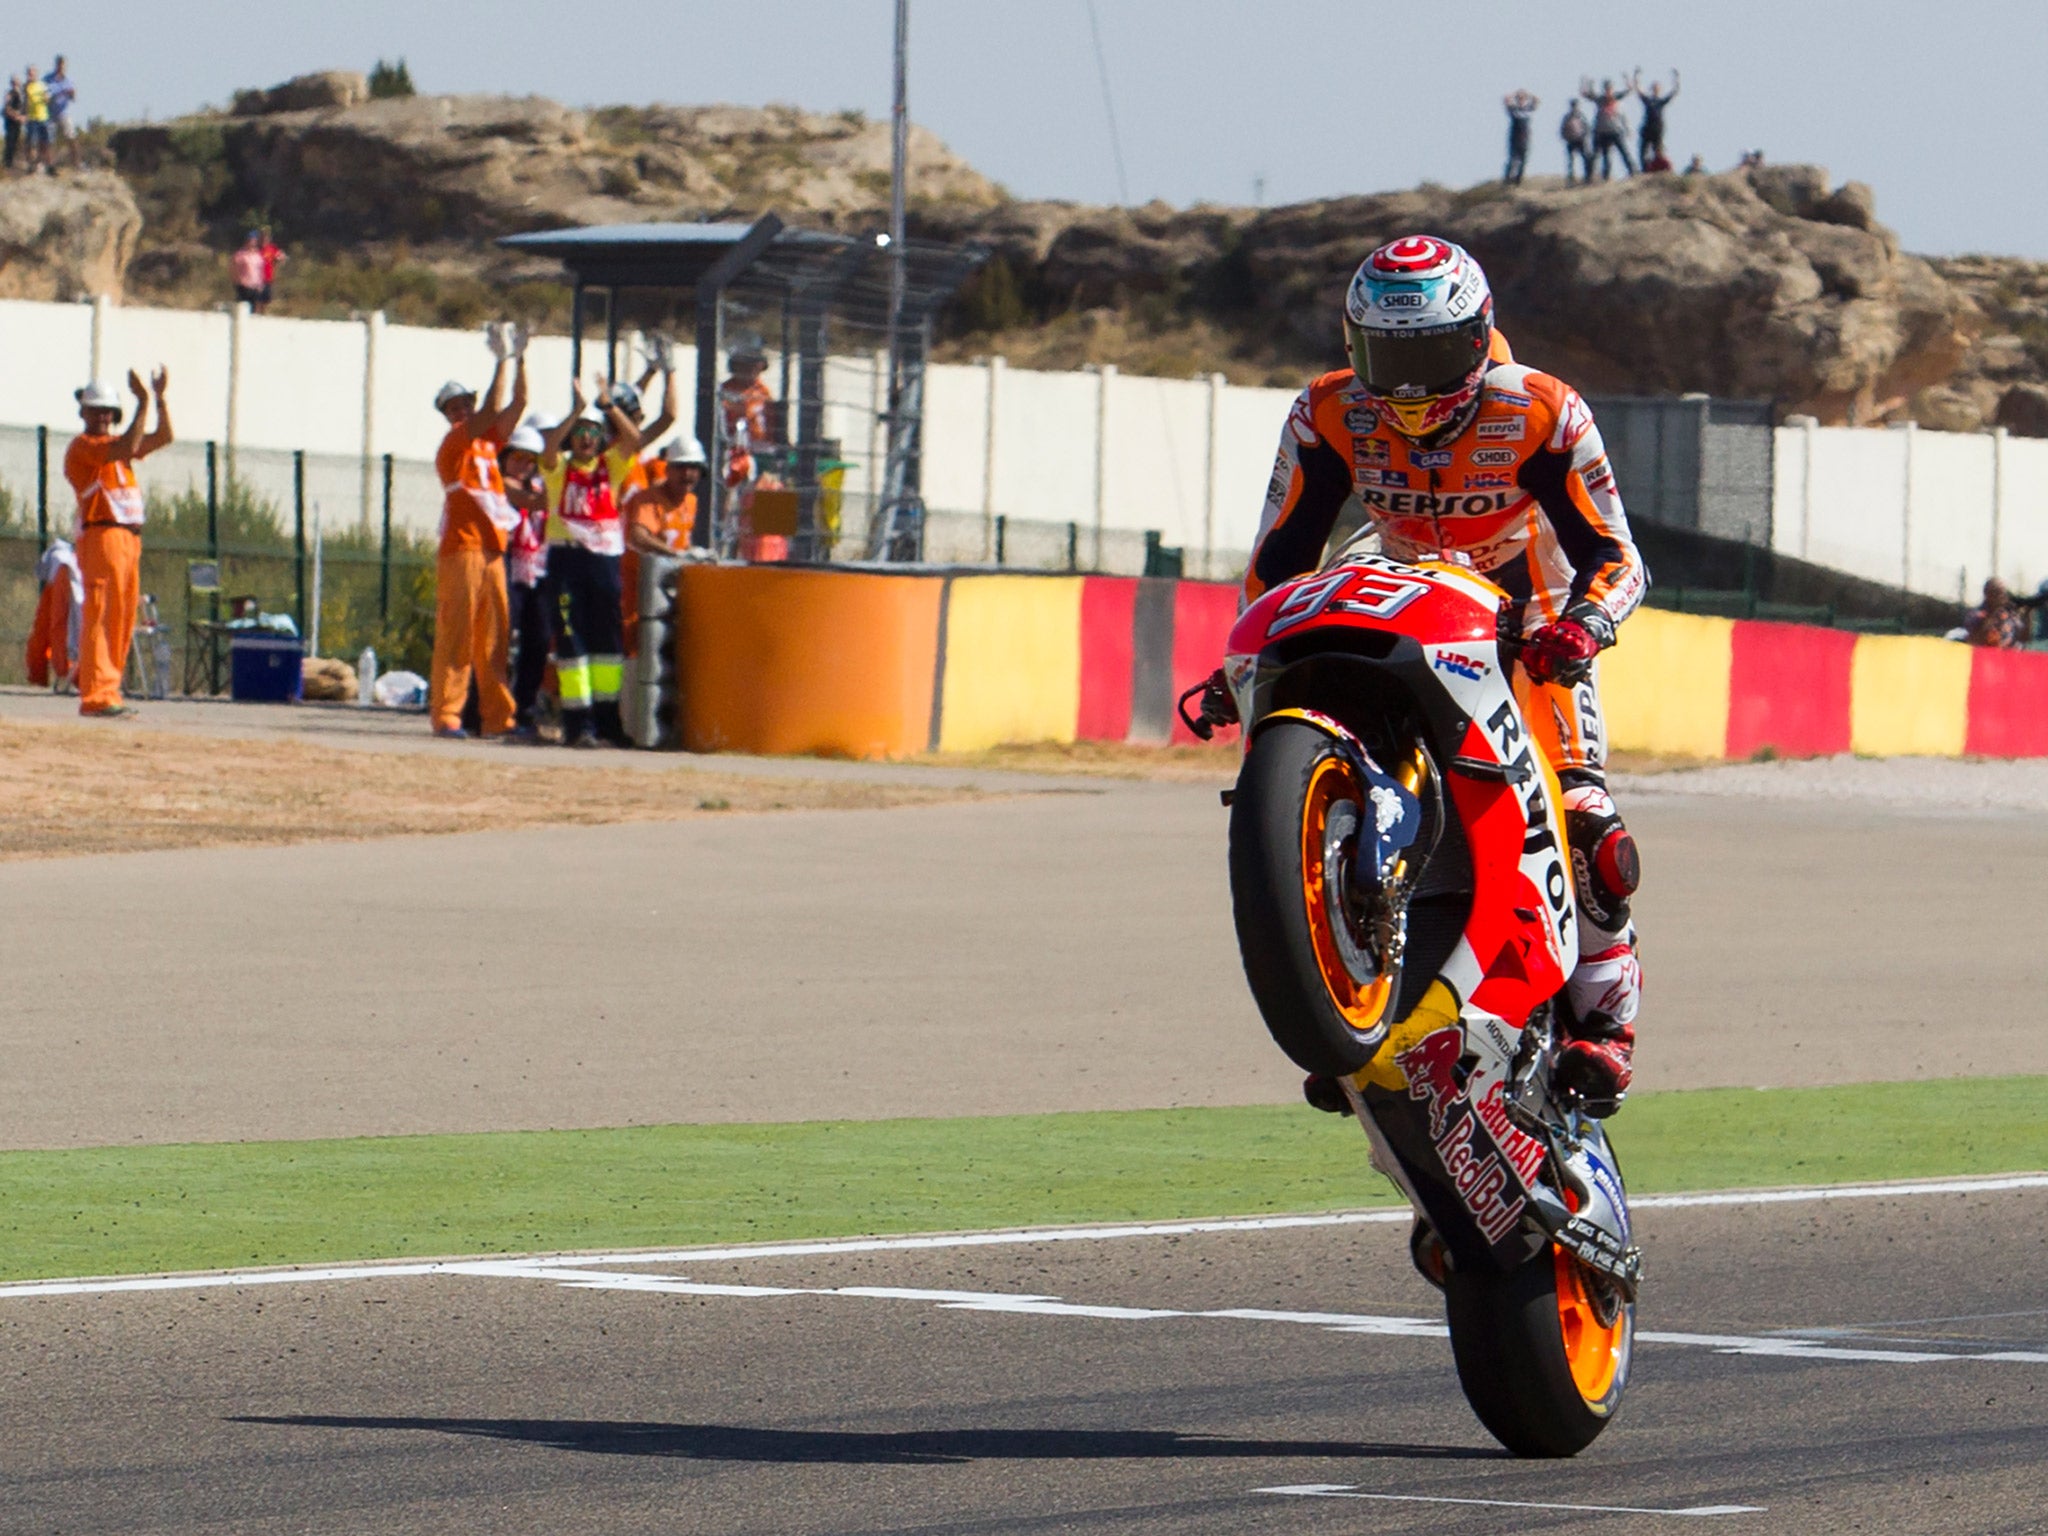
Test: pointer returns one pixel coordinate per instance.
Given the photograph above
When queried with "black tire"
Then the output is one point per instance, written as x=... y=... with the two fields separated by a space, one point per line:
x=1509 y=1343
x=1269 y=897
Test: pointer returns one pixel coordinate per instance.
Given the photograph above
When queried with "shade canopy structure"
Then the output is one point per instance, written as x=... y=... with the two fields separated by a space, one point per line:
x=821 y=306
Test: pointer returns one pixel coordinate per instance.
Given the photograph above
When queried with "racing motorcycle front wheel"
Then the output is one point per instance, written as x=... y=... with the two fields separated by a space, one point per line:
x=1295 y=821
x=1543 y=1351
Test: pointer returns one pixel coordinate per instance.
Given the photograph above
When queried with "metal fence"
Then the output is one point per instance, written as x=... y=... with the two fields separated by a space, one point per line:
x=277 y=527
x=1693 y=462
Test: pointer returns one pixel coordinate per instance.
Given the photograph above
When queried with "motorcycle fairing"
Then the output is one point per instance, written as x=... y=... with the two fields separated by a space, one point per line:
x=1434 y=1099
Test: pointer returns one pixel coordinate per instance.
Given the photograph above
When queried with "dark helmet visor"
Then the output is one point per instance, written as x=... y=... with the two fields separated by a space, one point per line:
x=1433 y=362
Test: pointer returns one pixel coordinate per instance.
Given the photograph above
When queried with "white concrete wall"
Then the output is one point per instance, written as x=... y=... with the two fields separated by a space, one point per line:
x=1937 y=512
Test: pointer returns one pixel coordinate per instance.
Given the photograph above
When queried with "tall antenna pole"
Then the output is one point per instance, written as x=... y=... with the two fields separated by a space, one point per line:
x=899 y=170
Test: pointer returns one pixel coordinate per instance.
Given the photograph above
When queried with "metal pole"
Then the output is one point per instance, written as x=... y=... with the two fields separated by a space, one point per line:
x=899 y=155
x=42 y=488
x=299 y=537
x=384 y=580
x=213 y=503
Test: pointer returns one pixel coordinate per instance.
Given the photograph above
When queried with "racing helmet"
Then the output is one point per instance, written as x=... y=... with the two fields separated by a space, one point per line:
x=1418 y=323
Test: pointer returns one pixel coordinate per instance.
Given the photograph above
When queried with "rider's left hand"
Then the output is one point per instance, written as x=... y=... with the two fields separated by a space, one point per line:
x=1563 y=652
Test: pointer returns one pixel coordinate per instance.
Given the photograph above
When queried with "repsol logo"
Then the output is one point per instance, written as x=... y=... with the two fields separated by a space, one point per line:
x=1422 y=504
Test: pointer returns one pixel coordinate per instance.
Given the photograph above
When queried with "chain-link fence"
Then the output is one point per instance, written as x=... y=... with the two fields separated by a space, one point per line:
x=275 y=528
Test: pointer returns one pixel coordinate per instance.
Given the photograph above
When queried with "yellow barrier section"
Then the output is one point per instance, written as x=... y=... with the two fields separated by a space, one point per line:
x=1908 y=696
x=835 y=663
x=1013 y=661
x=1664 y=686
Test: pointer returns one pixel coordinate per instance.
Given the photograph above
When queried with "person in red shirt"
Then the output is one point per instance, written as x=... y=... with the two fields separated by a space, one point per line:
x=100 y=467
x=472 y=617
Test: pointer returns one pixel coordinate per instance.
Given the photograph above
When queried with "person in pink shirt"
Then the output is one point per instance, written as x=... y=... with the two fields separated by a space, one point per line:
x=251 y=272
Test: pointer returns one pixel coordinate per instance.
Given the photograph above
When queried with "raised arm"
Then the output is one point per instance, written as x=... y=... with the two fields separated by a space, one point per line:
x=658 y=428
x=158 y=436
x=126 y=444
x=558 y=434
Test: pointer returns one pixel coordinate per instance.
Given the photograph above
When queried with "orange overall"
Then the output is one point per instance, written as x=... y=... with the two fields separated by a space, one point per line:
x=472 y=617
x=110 y=510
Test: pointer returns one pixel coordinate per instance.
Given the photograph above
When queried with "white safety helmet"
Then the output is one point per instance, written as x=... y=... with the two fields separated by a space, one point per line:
x=452 y=390
x=97 y=396
x=526 y=439
x=683 y=450
x=1418 y=324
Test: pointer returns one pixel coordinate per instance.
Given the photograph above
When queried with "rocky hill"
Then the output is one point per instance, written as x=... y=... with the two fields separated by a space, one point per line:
x=1770 y=284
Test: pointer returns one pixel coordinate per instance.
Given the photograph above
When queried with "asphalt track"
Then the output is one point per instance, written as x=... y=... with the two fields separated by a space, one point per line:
x=1067 y=946
x=1871 y=1364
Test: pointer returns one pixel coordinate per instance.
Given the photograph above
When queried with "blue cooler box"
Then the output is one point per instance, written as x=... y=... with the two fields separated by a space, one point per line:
x=265 y=669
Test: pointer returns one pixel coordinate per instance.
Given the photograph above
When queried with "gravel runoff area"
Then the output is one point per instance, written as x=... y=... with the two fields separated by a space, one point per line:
x=1932 y=785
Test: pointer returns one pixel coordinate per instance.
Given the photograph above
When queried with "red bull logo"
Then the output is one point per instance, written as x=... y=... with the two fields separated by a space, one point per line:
x=1431 y=1068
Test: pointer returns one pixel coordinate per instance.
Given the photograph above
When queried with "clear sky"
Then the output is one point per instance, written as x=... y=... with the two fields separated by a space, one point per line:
x=1933 y=105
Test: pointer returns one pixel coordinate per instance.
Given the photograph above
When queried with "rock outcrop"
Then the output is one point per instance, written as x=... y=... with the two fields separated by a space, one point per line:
x=304 y=93
x=68 y=237
x=428 y=169
x=1766 y=285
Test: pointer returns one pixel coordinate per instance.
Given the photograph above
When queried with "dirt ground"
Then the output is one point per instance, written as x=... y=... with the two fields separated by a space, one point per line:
x=1182 y=764
x=66 y=789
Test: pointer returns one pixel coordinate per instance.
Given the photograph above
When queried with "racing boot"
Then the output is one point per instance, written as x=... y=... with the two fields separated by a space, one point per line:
x=1600 y=1037
x=1325 y=1093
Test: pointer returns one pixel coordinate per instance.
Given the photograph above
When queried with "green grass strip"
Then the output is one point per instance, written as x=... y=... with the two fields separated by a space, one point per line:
x=130 y=1210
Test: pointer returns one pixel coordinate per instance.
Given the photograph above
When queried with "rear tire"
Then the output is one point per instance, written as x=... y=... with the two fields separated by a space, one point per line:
x=1317 y=991
x=1543 y=1364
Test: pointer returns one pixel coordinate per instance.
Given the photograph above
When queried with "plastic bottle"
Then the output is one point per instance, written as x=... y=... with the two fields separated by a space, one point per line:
x=366 y=677
x=160 y=679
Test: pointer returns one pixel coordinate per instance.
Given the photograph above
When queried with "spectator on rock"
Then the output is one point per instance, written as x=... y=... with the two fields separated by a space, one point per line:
x=273 y=258
x=16 y=113
x=1650 y=132
x=251 y=287
x=62 y=94
x=1610 y=127
x=1521 y=107
x=1697 y=166
x=1577 y=135
x=35 y=127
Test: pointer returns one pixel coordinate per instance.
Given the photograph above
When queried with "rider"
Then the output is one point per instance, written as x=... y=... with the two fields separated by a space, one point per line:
x=1450 y=448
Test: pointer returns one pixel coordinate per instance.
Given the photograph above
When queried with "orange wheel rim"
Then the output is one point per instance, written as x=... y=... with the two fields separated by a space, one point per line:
x=1592 y=1348
x=1362 y=1004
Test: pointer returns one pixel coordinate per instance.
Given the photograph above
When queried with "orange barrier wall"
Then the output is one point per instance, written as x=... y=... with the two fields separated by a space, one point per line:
x=835 y=663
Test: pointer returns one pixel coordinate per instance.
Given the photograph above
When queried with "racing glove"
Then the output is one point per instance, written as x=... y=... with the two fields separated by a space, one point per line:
x=1563 y=652
x=1218 y=706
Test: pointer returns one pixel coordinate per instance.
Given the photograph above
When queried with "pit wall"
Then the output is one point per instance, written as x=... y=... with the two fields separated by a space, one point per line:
x=857 y=664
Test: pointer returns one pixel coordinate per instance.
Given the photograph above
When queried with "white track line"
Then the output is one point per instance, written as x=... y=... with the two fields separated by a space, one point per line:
x=1033 y=1305
x=1341 y=1491
x=374 y=1270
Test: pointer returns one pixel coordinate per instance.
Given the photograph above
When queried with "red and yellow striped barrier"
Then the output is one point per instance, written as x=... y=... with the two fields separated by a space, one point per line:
x=858 y=664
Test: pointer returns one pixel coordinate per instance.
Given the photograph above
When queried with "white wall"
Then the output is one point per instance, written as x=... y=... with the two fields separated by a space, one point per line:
x=1937 y=512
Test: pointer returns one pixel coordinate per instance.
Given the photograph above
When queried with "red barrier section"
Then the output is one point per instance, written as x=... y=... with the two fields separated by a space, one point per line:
x=1788 y=690
x=1107 y=606
x=2008 y=704
x=1203 y=612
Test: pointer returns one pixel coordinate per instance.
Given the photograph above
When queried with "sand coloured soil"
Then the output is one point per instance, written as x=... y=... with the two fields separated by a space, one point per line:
x=111 y=788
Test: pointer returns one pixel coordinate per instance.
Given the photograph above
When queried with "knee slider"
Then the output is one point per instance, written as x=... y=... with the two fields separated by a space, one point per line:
x=1605 y=865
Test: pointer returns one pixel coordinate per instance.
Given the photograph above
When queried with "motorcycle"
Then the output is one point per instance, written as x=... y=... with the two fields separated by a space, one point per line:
x=1406 y=915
